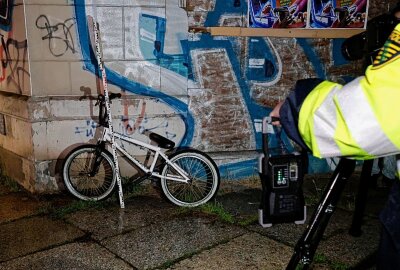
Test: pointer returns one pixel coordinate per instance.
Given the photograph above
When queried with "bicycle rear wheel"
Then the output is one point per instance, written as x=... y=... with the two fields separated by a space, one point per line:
x=203 y=174
x=83 y=180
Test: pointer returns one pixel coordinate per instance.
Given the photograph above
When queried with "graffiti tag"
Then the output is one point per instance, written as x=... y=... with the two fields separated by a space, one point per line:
x=58 y=35
x=13 y=56
x=88 y=130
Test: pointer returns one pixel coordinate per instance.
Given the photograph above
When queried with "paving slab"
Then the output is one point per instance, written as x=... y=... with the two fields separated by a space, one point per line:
x=314 y=186
x=350 y=250
x=249 y=251
x=287 y=233
x=340 y=222
x=151 y=233
x=28 y=235
x=110 y=221
x=336 y=245
x=17 y=205
x=154 y=245
x=243 y=202
x=71 y=256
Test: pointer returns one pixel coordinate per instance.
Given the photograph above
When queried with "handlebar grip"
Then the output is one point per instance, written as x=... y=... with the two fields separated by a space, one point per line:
x=102 y=107
x=110 y=96
x=114 y=95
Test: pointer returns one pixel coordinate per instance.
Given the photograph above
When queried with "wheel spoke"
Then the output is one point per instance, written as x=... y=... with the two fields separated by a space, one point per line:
x=77 y=178
x=203 y=175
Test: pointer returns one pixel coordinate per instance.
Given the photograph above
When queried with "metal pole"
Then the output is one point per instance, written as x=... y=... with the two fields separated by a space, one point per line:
x=107 y=101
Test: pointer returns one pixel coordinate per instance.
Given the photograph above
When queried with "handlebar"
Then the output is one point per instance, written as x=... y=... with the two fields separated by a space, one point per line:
x=103 y=120
x=111 y=96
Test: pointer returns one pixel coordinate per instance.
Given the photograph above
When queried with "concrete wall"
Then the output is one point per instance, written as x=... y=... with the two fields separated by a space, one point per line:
x=208 y=93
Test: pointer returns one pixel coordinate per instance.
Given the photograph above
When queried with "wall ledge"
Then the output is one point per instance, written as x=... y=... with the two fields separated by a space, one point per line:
x=268 y=32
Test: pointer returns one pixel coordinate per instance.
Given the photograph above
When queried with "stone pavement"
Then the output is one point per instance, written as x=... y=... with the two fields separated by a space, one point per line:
x=58 y=232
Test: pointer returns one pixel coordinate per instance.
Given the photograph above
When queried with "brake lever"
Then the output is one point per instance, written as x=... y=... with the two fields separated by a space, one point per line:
x=100 y=98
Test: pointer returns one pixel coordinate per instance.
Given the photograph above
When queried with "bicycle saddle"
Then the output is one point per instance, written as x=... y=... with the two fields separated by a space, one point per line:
x=161 y=141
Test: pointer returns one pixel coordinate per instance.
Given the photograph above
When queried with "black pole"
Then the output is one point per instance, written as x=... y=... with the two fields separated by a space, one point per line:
x=361 y=199
x=307 y=244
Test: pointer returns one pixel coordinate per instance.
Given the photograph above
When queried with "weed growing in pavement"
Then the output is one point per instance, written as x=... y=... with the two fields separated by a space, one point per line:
x=75 y=206
x=209 y=208
x=131 y=189
x=183 y=210
x=311 y=200
x=249 y=220
x=339 y=266
x=320 y=258
x=217 y=209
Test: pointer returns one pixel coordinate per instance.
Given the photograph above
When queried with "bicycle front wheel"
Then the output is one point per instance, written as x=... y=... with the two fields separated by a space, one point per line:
x=203 y=174
x=89 y=173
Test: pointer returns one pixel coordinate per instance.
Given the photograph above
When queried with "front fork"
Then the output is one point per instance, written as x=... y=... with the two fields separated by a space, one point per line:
x=98 y=158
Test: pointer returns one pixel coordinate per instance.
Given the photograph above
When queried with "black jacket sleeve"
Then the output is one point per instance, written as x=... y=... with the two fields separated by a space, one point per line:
x=289 y=112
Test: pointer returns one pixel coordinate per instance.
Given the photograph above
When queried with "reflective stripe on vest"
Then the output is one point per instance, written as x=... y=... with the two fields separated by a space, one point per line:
x=330 y=135
x=362 y=122
x=360 y=119
x=309 y=117
x=343 y=124
x=325 y=126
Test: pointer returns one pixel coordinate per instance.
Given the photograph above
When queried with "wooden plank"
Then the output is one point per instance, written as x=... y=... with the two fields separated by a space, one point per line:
x=300 y=33
x=267 y=32
x=225 y=31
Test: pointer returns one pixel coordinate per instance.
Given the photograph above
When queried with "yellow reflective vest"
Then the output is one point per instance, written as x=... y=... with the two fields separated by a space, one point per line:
x=360 y=119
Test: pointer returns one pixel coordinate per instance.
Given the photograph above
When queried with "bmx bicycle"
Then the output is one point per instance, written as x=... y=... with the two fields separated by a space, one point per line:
x=188 y=177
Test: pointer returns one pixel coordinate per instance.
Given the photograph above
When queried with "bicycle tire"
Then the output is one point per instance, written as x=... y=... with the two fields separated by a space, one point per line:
x=204 y=176
x=76 y=174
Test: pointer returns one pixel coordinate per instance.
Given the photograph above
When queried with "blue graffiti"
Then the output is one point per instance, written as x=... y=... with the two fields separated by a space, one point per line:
x=259 y=50
x=88 y=130
x=239 y=170
x=312 y=56
x=117 y=79
x=262 y=62
x=152 y=40
x=263 y=68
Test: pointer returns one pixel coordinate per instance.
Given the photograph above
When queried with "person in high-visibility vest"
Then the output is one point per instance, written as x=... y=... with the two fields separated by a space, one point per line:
x=334 y=120
x=359 y=120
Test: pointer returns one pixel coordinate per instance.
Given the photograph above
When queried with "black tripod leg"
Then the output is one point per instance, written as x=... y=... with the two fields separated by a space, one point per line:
x=361 y=199
x=306 y=246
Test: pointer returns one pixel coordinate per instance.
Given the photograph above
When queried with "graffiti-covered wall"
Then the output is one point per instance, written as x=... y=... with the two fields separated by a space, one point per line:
x=14 y=73
x=197 y=90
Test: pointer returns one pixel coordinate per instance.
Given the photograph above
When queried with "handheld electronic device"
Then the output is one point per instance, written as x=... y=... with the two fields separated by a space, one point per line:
x=281 y=176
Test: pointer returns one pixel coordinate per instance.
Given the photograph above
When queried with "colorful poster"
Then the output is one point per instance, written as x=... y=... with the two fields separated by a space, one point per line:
x=278 y=13
x=338 y=13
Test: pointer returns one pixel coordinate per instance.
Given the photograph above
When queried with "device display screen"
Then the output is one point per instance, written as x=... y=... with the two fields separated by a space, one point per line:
x=280 y=174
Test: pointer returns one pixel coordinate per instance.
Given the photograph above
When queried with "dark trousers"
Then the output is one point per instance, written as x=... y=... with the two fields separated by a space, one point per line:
x=389 y=247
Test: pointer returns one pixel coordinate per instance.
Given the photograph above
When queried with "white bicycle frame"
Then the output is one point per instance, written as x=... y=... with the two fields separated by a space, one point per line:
x=158 y=154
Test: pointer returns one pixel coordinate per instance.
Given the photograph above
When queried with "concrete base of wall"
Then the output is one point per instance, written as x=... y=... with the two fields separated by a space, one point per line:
x=45 y=177
x=18 y=168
